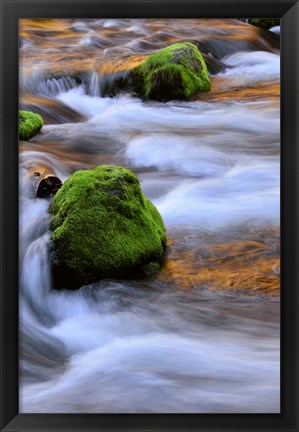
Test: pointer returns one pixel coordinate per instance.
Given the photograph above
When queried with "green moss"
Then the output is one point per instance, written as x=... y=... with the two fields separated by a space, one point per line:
x=29 y=124
x=176 y=72
x=265 y=23
x=104 y=226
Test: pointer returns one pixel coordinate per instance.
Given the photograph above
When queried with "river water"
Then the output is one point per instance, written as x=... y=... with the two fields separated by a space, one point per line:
x=203 y=336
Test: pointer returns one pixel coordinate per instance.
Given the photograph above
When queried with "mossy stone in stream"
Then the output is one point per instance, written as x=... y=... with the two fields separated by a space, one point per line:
x=29 y=124
x=175 y=72
x=103 y=226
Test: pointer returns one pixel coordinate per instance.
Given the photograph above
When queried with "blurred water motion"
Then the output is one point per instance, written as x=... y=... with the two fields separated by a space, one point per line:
x=203 y=336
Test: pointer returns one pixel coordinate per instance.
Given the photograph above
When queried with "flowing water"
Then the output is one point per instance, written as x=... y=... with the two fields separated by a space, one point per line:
x=203 y=336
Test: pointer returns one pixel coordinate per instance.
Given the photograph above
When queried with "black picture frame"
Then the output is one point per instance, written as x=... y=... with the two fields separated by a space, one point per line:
x=288 y=11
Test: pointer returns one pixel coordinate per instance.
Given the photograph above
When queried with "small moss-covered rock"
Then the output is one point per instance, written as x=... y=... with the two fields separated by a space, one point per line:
x=264 y=23
x=175 y=72
x=103 y=226
x=29 y=124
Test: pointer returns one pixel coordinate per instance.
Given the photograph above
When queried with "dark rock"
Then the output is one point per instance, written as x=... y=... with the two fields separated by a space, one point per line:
x=46 y=183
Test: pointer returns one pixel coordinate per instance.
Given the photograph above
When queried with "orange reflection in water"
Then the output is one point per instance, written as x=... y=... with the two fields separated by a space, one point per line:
x=249 y=265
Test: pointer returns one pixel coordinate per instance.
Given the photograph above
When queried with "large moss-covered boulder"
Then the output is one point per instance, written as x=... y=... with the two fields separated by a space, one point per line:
x=175 y=72
x=103 y=226
x=29 y=124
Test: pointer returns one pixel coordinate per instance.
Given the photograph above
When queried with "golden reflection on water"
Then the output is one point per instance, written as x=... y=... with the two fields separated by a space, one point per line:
x=237 y=264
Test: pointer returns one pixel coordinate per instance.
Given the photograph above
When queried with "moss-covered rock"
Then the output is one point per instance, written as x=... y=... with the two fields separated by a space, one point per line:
x=264 y=23
x=29 y=124
x=103 y=226
x=175 y=72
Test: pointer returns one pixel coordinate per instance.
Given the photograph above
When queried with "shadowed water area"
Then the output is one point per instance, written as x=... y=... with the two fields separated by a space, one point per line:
x=203 y=335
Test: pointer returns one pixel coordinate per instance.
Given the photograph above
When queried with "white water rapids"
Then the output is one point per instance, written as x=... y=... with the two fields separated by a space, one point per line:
x=143 y=346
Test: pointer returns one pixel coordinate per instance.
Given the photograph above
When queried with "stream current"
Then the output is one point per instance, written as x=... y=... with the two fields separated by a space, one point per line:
x=211 y=167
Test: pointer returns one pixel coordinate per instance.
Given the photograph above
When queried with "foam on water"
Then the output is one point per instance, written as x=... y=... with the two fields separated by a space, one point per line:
x=176 y=372
x=275 y=29
x=245 y=192
x=85 y=104
x=251 y=67
x=126 y=113
x=169 y=152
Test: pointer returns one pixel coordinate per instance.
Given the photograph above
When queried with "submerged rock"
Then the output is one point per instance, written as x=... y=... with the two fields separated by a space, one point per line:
x=29 y=124
x=175 y=72
x=52 y=111
x=103 y=226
